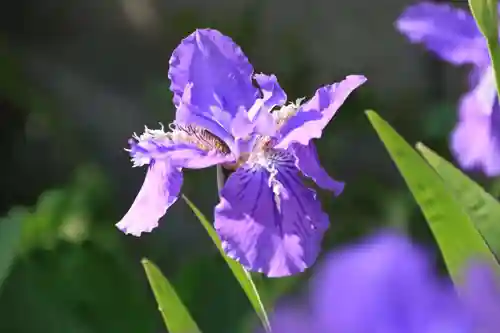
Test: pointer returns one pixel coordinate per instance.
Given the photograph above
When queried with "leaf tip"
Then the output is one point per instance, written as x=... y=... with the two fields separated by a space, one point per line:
x=426 y=151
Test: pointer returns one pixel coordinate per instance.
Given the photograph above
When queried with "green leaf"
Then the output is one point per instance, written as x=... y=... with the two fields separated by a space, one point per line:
x=10 y=237
x=174 y=313
x=454 y=231
x=240 y=273
x=485 y=13
x=482 y=208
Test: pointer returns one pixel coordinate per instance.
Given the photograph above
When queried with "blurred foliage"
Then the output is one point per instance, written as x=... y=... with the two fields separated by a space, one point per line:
x=72 y=273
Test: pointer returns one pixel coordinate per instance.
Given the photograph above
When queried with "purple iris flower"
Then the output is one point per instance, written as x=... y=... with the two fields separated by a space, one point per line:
x=384 y=284
x=454 y=36
x=227 y=115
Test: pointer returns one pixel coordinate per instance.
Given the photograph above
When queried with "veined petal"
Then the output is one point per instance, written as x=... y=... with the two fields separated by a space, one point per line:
x=219 y=72
x=196 y=153
x=307 y=162
x=160 y=190
x=315 y=114
x=270 y=223
x=216 y=122
x=188 y=156
x=449 y=32
x=475 y=141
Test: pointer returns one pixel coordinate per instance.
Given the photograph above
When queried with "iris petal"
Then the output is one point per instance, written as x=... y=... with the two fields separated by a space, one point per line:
x=475 y=140
x=219 y=72
x=159 y=191
x=273 y=94
x=307 y=162
x=270 y=224
x=159 y=147
x=312 y=117
x=449 y=32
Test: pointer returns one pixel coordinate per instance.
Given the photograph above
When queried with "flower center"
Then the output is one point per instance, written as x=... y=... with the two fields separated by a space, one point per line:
x=263 y=154
x=282 y=115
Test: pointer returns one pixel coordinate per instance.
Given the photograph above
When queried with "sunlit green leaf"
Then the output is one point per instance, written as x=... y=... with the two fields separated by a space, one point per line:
x=239 y=272
x=174 y=313
x=454 y=231
x=482 y=208
x=485 y=13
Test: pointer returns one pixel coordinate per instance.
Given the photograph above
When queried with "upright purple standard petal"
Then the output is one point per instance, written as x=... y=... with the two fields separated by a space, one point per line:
x=159 y=191
x=272 y=93
x=315 y=114
x=270 y=223
x=449 y=32
x=219 y=72
x=307 y=162
x=475 y=140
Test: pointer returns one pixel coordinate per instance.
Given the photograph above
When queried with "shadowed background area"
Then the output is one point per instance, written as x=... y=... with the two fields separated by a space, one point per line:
x=77 y=78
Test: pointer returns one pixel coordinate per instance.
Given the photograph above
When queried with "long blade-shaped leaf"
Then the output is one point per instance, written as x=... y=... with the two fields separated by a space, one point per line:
x=239 y=272
x=482 y=208
x=455 y=233
x=485 y=13
x=174 y=313
x=10 y=237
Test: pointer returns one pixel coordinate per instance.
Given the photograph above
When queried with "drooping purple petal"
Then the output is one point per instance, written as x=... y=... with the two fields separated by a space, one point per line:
x=475 y=140
x=307 y=162
x=219 y=72
x=315 y=114
x=449 y=32
x=482 y=296
x=270 y=225
x=160 y=190
x=384 y=284
x=188 y=156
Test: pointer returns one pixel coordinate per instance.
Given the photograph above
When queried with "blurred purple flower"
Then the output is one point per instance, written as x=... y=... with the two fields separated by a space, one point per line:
x=383 y=285
x=481 y=293
x=454 y=36
x=267 y=218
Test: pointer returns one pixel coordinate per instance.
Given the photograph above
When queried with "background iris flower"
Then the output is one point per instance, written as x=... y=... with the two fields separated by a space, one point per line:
x=453 y=35
x=385 y=283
